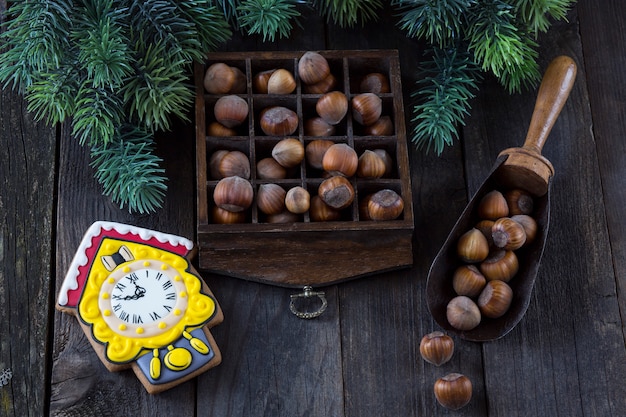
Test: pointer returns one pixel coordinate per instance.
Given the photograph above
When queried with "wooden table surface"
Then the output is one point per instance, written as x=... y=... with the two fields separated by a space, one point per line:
x=567 y=357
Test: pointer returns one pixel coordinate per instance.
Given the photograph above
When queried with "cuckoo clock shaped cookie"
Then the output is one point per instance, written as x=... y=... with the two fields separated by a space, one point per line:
x=142 y=304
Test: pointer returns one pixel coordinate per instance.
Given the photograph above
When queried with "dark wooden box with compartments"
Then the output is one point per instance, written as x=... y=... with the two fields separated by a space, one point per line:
x=303 y=251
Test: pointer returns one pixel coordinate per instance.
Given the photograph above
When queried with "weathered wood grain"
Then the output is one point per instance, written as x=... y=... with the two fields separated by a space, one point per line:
x=27 y=190
x=605 y=57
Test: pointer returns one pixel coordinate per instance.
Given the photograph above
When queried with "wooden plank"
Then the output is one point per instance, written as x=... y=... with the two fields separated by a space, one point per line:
x=605 y=58
x=27 y=188
x=573 y=317
x=274 y=364
x=80 y=383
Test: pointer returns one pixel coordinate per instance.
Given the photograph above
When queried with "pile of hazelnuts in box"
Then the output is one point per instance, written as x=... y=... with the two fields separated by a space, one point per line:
x=335 y=161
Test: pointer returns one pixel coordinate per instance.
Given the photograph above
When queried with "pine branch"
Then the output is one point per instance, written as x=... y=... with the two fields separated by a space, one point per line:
x=159 y=88
x=267 y=17
x=447 y=83
x=103 y=45
x=500 y=46
x=537 y=13
x=439 y=22
x=209 y=26
x=51 y=96
x=97 y=115
x=347 y=13
x=229 y=9
x=36 y=37
x=129 y=172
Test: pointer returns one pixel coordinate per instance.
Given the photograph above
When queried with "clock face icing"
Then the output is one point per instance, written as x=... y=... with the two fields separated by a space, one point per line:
x=144 y=302
x=143 y=298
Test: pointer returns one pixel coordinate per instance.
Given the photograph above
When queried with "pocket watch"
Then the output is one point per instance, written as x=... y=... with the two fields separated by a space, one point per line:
x=142 y=304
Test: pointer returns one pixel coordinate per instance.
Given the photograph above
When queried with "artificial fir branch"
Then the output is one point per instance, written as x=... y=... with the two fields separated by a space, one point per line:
x=537 y=13
x=449 y=79
x=37 y=33
x=129 y=172
x=159 y=88
x=500 y=46
x=267 y=17
x=439 y=22
x=347 y=13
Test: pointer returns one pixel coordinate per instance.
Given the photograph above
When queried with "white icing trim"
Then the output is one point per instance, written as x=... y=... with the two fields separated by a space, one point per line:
x=80 y=259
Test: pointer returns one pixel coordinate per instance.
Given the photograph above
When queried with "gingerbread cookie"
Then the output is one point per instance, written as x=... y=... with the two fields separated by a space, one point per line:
x=142 y=304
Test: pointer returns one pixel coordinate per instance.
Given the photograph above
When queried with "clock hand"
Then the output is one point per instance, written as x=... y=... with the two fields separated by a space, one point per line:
x=139 y=292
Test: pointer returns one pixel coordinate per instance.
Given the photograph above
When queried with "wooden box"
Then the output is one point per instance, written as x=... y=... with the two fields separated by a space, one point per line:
x=304 y=252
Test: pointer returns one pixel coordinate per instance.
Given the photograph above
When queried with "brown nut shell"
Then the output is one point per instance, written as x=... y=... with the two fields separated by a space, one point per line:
x=260 y=80
x=316 y=126
x=298 y=200
x=508 y=234
x=313 y=67
x=270 y=169
x=281 y=82
x=233 y=194
x=468 y=280
x=519 y=202
x=529 y=224
x=384 y=204
x=381 y=127
x=495 y=299
x=230 y=110
x=485 y=227
x=337 y=192
x=374 y=82
x=270 y=198
x=366 y=108
x=324 y=86
x=288 y=152
x=340 y=159
x=332 y=107
x=322 y=212
x=221 y=216
x=234 y=163
x=472 y=246
x=500 y=265
x=219 y=130
x=453 y=391
x=315 y=150
x=436 y=348
x=492 y=206
x=214 y=163
x=371 y=165
x=284 y=217
x=463 y=313
x=219 y=78
x=278 y=121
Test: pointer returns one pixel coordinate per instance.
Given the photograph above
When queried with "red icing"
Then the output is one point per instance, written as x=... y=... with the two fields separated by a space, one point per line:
x=73 y=296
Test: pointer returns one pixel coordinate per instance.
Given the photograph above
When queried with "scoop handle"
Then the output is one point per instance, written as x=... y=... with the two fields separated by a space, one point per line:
x=553 y=92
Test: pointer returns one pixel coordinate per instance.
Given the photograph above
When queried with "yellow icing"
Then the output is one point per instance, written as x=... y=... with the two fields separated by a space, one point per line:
x=121 y=347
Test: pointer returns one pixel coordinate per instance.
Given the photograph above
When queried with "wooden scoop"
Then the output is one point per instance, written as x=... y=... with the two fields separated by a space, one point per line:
x=523 y=168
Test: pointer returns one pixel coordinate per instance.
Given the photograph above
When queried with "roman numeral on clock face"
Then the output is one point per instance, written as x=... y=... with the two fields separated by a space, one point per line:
x=124 y=316
x=167 y=285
